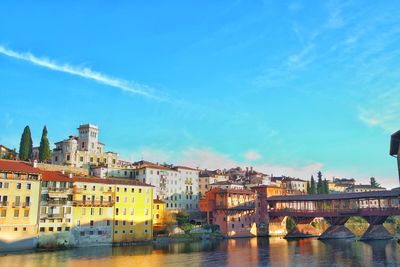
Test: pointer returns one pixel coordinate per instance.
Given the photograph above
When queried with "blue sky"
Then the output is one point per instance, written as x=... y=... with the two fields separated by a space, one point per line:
x=290 y=87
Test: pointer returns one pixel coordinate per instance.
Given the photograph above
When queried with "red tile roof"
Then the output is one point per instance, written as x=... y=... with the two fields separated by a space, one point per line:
x=55 y=176
x=186 y=168
x=17 y=166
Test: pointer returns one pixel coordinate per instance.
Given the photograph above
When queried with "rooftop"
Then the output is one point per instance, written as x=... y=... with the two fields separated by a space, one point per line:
x=17 y=166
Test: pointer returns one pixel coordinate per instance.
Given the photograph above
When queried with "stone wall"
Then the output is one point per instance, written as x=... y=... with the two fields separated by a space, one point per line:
x=67 y=169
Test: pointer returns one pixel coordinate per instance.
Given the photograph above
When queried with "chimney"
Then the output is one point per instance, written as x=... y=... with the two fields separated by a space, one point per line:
x=70 y=175
x=34 y=164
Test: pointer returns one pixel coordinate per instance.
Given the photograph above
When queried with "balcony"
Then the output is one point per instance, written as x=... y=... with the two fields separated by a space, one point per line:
x=59 y=190
x=57 y=202
x=92 y=203
x=25 y=204
x=3 y=204
x=52 y=216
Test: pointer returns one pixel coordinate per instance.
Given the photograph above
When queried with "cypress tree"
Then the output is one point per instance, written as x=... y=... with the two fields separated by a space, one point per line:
x=325 y=187
x=44 y=148
x=319 y=183
x=308 y=188
x=313 y=189
x=25 y=146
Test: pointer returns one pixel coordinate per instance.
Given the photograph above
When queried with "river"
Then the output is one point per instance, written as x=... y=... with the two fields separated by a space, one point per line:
x=232 y=252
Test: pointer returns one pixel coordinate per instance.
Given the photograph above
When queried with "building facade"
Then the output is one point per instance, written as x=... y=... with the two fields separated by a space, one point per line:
x=83 y=150
x=55 y=218
x=19 y=205
x=236 y=212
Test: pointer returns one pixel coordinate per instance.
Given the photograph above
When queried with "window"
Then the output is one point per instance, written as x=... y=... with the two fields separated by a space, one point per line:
x=132 y=211
x=115 y=232
x=124 y=211
x=15 y=229
x=131 y=231
x=51 y=229
x=158 y=207
x=41 y=229
x=3 y=213
x=117 y=199
x=19 y=185
x=146 y=211
x=123 y=223
x=146 y=223
x=108 y=222
x=81 y=159
x=16 y=213
x=82 y=233
x=140 y=190
x=59 y=229
x=116 y=222
x=123 y=231
x=91 y=223
x=116 y=211
x=26 y=213
x=28 y=186
x=133 y=199
x=5 y=185
x=67 y=229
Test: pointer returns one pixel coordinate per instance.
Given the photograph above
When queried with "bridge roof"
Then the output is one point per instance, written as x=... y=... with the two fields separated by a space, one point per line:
x=382 y=194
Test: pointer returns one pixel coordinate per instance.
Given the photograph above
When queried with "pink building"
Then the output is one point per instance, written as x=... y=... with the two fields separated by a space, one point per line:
x=236 y=211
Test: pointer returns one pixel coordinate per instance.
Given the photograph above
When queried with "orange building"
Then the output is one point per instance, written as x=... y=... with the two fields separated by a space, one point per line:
x=236 y=211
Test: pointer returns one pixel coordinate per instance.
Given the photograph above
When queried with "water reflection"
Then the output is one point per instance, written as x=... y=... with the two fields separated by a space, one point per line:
x=232 y=252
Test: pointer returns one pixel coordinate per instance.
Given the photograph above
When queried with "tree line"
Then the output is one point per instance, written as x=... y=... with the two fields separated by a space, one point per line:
x=26 y=146
x=319 y=187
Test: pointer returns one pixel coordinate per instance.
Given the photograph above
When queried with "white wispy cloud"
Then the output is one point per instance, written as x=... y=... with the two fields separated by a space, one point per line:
x=87 y=73
x=382 y=111
x=252 y=155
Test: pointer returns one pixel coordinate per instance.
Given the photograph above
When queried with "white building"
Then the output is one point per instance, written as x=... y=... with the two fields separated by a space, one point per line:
x=83 y=150
x=226 y=185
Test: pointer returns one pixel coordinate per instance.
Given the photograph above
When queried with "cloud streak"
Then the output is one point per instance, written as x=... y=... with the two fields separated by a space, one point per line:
x=87 y=73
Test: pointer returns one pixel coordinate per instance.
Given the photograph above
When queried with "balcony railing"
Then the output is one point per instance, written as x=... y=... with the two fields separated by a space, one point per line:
x=93 y=203
x=4 y=204
x=59 y=189
x=58 y=202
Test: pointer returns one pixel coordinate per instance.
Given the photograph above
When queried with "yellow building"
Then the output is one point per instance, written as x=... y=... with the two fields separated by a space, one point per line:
x=132 y=211
x=111 y=210
x=19 y=205
x=92 y=211
x=159 y=216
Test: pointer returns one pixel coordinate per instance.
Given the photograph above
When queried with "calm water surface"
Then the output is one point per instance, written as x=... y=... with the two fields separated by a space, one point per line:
x=234 y=252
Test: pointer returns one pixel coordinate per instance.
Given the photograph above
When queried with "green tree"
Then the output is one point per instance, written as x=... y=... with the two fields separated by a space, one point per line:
x=313 y=189
x=308 y=188
x=25 y=146
x=319 y=183
x=44 y=148
x=325 y=187
x=373 y=182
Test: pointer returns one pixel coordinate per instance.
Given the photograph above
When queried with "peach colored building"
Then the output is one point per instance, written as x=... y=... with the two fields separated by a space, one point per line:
x=236 y=211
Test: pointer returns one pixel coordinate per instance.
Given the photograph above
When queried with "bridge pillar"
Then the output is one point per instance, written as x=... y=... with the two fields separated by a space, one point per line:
x=376 y=230
x=336 y=230
x=277 y=226
x=303 y=229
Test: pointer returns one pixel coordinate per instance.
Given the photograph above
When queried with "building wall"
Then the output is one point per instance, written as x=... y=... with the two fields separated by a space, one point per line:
x=55 y=222
x=19 y=206
x=159 y=215
x=133 y=213
x=92 y=224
